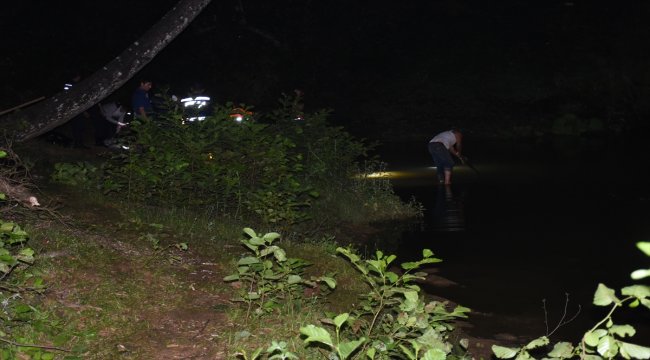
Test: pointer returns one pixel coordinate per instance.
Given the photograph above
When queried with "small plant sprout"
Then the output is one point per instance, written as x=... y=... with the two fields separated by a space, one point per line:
x=269 y=279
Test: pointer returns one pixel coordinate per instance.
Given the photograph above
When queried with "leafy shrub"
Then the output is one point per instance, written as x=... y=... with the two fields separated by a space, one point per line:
x=392 y=321
x=268 y=279
x=80 y=173
x=274 y=168
x=603 y=340
x=217 y=161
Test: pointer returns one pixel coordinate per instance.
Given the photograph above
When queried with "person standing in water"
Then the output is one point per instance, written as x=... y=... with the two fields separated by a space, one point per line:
x=441 y=147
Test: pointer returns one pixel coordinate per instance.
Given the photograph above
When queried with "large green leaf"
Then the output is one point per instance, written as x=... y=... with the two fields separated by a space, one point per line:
x=607 y=347
x=253 y=295
x=434 y=354
x=640 y=274
x=622 y=330
x=316 y=334
x=503 y=352
x=562 y=350
x=293 y=279
x=593 y=337
x=331 y=282
x=638 y=291
x=541 y=341
x=340 y=319
x=256 y=241
x=605 y=296
x=346 y=349
x=232 y=277
x=634 y=351
x=248 y=260
x=644 y=246
x=409 y=265
x=271 y=236
x=250 y=232
x=410 y=355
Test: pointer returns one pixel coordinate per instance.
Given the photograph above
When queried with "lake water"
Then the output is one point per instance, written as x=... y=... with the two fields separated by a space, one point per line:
x=537 y=220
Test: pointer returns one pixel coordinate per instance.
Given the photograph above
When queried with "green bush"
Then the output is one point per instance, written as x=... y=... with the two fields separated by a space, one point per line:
x=269 y=280
x=80 y=173
x=273 y=168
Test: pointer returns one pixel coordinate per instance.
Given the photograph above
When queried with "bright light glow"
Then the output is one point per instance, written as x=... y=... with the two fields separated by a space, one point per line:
x=381 y=174
x=411 y=173
x=239 y=118
x=198 y=102
x=196 y=118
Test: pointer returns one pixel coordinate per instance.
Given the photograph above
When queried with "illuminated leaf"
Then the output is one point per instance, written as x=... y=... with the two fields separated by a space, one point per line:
x=607 y=347
x=340 y=319
x=537 y=343
x=634 y=351
x=592 y=337
x=605 y=296
x=503 y=352
x=293 y=279
x=347 y=348
x=640 y=274
x=271 y=236
x=434 y=354
x=248 y=260
x=644 y=246
x=622 y=330
x=250 y=232
x=409 y=354
x=638 y=291
x=562 y=350
x=316 y=334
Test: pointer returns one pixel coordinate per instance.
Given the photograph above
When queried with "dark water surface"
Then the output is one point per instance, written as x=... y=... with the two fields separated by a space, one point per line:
x=540 y=219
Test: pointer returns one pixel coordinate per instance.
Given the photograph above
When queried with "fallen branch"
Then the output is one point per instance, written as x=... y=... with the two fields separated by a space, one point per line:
x=33 y=345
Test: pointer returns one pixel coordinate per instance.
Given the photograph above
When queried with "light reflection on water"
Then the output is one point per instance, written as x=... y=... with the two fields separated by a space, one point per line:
x=534 y=223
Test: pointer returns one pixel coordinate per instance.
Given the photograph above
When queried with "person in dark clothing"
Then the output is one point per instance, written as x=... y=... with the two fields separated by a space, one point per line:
x=142 y=107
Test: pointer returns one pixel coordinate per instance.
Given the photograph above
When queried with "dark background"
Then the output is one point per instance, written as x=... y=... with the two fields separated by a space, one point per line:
x=390 y=70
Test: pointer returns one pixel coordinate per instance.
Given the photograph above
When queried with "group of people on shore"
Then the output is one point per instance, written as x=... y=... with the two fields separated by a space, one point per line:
x=109 y=118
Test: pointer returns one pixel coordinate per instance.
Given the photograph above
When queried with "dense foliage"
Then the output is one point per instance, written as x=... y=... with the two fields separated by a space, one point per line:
x=273 y=167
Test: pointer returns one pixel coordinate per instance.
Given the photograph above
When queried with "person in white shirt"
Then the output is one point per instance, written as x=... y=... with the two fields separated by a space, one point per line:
x=441 y=147
x=112 y=121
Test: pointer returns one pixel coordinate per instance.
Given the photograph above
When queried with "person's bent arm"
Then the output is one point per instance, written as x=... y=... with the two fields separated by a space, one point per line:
x=458 y=147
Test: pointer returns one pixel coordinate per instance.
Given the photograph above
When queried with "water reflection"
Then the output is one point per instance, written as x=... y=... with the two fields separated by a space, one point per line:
x=448 y=214
x=541 y=220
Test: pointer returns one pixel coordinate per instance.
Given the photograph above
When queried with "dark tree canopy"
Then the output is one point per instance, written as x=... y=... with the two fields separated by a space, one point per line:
x=57 y=110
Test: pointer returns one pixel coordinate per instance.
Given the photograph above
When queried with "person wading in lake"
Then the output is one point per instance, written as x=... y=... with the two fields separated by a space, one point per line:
x=441 y=147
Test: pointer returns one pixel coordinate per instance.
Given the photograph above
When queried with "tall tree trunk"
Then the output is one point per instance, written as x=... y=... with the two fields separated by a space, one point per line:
x=57 y=110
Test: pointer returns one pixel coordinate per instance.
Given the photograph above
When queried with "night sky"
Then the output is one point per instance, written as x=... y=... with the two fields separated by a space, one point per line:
x=381 y=65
